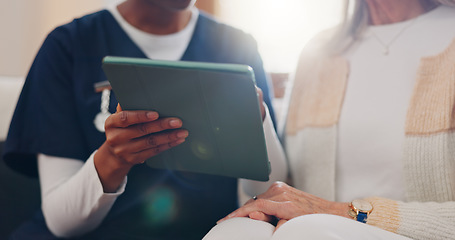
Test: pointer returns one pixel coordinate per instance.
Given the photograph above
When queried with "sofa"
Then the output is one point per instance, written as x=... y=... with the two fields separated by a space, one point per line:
x=19 y=195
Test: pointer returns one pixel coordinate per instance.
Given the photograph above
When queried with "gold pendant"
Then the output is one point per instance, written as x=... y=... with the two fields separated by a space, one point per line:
x=385 y=51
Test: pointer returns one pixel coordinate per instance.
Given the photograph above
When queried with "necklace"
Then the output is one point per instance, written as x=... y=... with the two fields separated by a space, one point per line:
x=386 y=45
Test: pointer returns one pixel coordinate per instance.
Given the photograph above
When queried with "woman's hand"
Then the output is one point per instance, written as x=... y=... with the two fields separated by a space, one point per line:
x=285 y=203
x=131 y=138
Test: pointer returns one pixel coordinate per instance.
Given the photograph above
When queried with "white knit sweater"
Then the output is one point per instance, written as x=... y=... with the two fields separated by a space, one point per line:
x=429 y=149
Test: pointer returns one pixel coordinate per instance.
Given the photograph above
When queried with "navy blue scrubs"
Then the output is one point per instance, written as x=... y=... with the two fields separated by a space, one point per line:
x=55 y=116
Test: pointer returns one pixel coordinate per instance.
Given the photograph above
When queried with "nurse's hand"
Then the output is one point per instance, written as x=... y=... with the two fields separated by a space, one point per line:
x=262 y=104
x=131 y=138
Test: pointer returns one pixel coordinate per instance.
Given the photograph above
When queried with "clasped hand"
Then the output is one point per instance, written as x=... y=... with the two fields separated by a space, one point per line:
x=285 y=203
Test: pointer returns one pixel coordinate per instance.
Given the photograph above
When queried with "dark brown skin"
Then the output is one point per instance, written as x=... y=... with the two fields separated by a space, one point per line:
x=261 y=100
x=131 y=138
x=134 y=136
x=157 y=16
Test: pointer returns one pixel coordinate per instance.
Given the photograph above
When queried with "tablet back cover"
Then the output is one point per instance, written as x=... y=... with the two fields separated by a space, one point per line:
x=218 y=106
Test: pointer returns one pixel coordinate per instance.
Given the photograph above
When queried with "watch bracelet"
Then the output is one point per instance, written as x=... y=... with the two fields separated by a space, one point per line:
x=352 y=214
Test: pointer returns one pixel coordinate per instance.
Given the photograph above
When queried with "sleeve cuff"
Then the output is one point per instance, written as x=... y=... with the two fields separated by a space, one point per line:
x=385 y=214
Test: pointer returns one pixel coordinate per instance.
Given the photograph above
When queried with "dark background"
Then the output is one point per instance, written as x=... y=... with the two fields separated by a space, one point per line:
x=19 y=198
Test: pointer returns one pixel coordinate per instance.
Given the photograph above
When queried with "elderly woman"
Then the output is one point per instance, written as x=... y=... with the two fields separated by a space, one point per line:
x=369 y=132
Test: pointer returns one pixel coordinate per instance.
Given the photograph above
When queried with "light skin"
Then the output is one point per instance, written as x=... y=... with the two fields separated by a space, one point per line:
x=392 y=11
x=286 y=202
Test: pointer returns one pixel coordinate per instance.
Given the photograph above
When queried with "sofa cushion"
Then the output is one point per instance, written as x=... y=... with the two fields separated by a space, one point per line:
x=10 y=88
x=19 y=195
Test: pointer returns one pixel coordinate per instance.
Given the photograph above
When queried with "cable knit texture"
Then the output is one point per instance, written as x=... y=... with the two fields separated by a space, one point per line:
x=429 y=148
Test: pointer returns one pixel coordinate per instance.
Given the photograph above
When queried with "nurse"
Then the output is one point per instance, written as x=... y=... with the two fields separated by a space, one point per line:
x=92 y=183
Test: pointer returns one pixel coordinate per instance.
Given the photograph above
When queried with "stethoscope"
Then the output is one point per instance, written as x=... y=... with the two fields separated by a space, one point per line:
x=100 y=118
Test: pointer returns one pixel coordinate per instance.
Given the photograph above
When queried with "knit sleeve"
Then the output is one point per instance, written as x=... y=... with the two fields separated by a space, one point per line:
x=417 y=220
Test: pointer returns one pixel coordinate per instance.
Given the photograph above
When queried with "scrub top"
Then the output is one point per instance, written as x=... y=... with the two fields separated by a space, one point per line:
x=58 y=105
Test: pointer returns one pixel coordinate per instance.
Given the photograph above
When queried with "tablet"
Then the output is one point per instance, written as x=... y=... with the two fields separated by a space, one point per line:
x=217 y=103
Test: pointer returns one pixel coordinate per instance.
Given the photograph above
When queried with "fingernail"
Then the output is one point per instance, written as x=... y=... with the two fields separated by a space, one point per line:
x=182 y=134
x=152 y=115
x=226 y=218
x=181 y=140
x=174 y=123
x=221 y=220
x=122 y=116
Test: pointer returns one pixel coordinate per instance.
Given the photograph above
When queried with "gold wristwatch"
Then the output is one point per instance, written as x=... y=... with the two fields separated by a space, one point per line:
x=360 y=210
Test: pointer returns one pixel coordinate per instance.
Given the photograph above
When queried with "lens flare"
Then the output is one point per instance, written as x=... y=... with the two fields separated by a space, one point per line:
x=161 y=207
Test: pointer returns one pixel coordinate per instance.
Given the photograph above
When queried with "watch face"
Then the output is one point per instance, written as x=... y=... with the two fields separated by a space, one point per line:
x=362 y=205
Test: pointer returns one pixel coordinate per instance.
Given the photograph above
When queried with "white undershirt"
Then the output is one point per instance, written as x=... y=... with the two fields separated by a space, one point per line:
x=371 y=126
x=68 y=185
x=159 y=47
x=73 y=200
